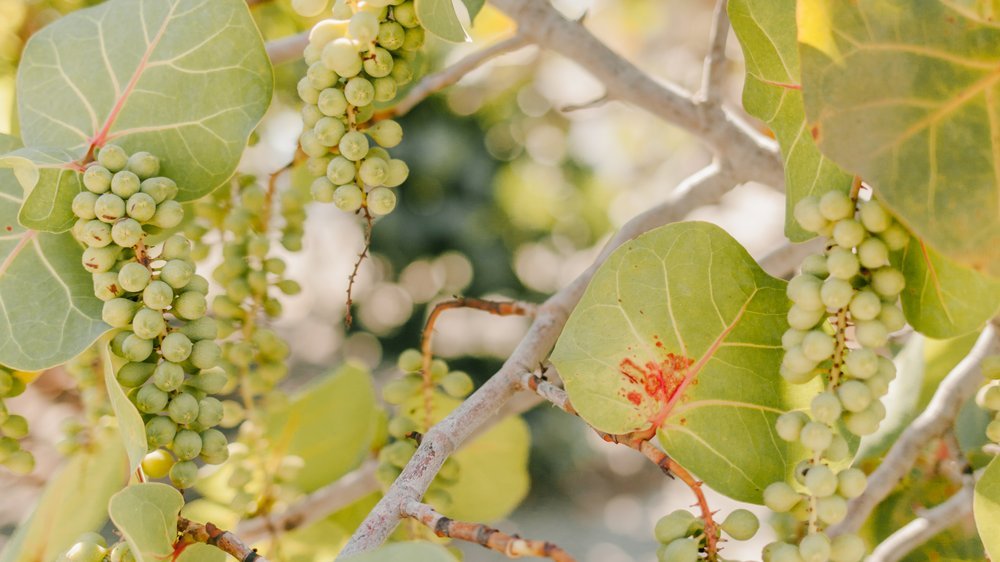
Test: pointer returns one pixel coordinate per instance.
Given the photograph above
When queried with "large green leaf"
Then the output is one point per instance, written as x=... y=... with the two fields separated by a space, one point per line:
x=146 y=515
x=408 y=551
x=907 y=95
x=187 y=80
x=74 y=501
x=330 y=425
x=493 y=468
x=766 y=30
x=943 y=298
x=47 y=302
x=680 y=330
x=133 y=430
x=986 y=505
x=439 y=17
x=57 y=179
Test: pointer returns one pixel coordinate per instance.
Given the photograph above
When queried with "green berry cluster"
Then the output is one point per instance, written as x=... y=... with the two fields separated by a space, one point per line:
x=13 y=428
x=851 y=288
x=251 y=276
x=407 y=393
x=157 y=302
x=91 y=547
x=988 y=397
x=359 y=59
x=682 y=535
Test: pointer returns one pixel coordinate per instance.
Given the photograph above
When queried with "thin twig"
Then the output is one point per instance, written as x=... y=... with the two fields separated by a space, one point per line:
x=346 y=490
x=511 y=546
x=782 y=261
x=287 y=49
x=929 y=523
x=715 y=63
x=704 y=187
x=726 y=133
x=960 y=384
x=223 y=540
x=497 y=308
x=438 y=81
x=369 y=226
x=639 y=442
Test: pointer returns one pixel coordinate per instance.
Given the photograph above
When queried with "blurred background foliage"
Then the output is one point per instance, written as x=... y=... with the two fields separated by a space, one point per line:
x=509 y=196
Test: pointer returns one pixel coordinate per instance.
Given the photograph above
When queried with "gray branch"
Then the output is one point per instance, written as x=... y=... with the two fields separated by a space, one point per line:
x=926 y=526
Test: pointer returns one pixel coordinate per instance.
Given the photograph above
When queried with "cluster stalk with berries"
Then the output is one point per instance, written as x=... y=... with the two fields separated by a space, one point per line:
x=165 y=345
x=844 y=308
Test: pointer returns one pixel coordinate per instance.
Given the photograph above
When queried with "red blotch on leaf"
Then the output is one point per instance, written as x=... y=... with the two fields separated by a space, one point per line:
x=652 y=386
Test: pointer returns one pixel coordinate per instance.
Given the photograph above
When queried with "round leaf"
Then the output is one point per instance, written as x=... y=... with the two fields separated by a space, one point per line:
x=146 y=514
x=986 y=506
x=186 y=80
x=680 y=331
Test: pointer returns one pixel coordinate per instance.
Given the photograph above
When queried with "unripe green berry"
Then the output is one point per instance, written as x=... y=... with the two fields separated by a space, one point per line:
x=851 y=482
x=151 y=399
x=341 y=56
x=895 y=237
x=183 y=474
x=140 y=207
x=865 y=305
x=177 y=273
x=741 y=524
x=15 y=427
x=871 y=333
x=804 y=290
x=183 y=408
x=873 y=216
x=402 y=72
x=888 y=282
x=847 y=548
x=210 y=411
x=340 y=170
x=390 y=35
x=842 y=264
x=125 y=184
x=873 y=253
x=836 y=205
x=373 y=171
x=354 y=146
x=83 y=205
x=112 y=157
x=385 y=89
x=816 y=436
x=821 y=481
x=187 y=444
x=848 y=233
x=176 y=347
x=118 y=312
x=815 y=547
x=892 y=317
x=322 y=190
x=97 y=179
x=160 y=189
x=831 y=509
x=826 y=407
x=168 y=376
x=836 y=293
x=160 y=430
x=789 y=424
x=818 y=346
x=378 y=63
x=381 y=201
x=96 y=234
x=109 y=208
x=359 y=91
x=134 y=374
x=329 y=130
x=148 y=323
x=127 y=232
x=413 y=39
x=457 y=384
x=168 y=215
x=861 y=363
x=157 y=295
x=144 y=165
x=190 y=305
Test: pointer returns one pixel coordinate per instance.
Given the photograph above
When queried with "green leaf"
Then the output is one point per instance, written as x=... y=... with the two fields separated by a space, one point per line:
x=133 y=430
x=685 y=294
x=986 y=506
x=146 y=514
x=493 y=468
x=408 y=551
x=766 y=31
x=330 y=425
x=439 y=17
x=74 y=501
x=186 y=80
x=907 y=95
x=50 y=180
x=473 y=6
x=943 y=298
x=46 y=296
x=200 y=552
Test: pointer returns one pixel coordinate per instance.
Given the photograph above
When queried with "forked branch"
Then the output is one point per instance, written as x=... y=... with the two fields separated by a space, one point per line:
x=511 y=546
x=225 y=541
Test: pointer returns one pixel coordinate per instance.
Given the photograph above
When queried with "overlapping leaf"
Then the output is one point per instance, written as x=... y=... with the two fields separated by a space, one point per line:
x=146 y=515
x=986 y=505
x=685 y=293
x=50 y=182
x=74 y=501
x=131 y=427
x=187 y=80
x=439 y=17
x=907 y=95
x=766 y=30
x=943 y=298
x=48 y=311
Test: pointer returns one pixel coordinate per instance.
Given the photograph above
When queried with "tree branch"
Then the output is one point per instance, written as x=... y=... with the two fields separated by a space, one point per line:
x=926 y=526
x=287 y=49
x=511 y=546
x=782 y=261
x=346 y=490
x=715 y=63
x=704 y=187
x=960 y=384
x=755 y=156
x=438 y=81
x=223 y=540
